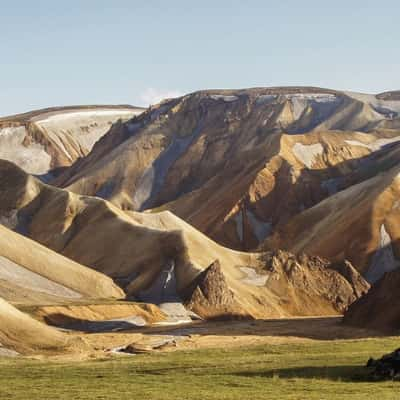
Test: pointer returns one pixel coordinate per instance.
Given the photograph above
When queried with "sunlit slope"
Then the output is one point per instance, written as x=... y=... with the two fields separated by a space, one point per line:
x=45 y=140
x=159 y=258
x=359 y=223
x=237 y=163
x=22 y=333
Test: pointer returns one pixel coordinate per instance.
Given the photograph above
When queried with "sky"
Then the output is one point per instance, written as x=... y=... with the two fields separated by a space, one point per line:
x=57 y=52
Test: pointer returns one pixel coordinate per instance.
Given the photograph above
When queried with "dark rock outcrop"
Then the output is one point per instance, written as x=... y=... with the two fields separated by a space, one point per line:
x=339 y=284
x=379 y=308
x=211 y=297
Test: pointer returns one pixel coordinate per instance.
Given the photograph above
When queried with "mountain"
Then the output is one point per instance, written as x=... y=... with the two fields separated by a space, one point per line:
x=158 y=258
x=378 y=309
x=240 y=165
x=45 y=140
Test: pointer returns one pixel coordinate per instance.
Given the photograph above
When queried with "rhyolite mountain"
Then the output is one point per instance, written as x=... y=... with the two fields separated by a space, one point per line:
x=159 y=258
x=43 y=141
x=255 y=203
x=261 y=168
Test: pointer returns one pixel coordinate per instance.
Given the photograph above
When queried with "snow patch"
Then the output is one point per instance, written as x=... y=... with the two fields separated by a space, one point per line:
x=227 y=99
x=5 y=352
x=176 y=314
x=317 y=97
x=358 y=143
x=384 y=259
x=67 y=116
x=376 y=145
x=33 y=159
x=307 y=153
x=84 y=127
x=253 y=277
x=23 y=277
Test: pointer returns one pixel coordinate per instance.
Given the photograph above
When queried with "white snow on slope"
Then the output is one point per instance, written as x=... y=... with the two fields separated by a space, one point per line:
x=87 y=127
x=227 y=99
x=306 y=153
x=374 y=146
x=317 y=97
x=18 y=275
x=253 y=277
x=32 y=159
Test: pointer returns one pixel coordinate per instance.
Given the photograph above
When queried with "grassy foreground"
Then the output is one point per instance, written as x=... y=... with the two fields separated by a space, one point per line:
x=318 y=370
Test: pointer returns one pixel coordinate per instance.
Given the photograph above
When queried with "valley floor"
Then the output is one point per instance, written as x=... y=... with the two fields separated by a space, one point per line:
x=312 y=358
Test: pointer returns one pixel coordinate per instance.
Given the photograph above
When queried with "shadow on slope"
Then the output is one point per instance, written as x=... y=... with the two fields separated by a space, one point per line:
x=84 y=325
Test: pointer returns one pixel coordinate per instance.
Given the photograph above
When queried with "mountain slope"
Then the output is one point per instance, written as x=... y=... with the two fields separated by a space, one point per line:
x=378 y=309
x=157 y=257
x=359 y=223
x=22 y=333
x=236 y=164
x=42 y=141
x=31 y=273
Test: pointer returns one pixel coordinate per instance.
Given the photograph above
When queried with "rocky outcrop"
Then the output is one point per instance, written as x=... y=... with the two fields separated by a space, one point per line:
x=211 y=296
x=359 y=285
x=339 y=284
x=378 y=309
x=359 y=223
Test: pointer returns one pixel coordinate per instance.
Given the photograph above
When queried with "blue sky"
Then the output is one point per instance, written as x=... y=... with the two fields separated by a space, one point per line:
x=57 y=52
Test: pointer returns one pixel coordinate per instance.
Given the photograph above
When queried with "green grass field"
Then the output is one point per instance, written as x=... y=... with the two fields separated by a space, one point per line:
x=318 y=370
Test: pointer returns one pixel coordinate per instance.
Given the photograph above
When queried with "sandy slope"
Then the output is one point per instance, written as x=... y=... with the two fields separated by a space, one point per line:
x=359 y=223
x=157 y=256
x=38 y=271
x=22 y=333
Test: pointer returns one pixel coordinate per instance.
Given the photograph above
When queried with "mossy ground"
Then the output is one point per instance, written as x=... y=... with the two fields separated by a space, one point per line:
x=313 y=370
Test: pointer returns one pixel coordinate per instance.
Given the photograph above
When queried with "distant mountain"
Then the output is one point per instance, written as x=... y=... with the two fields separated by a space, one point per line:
x=44 y=140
